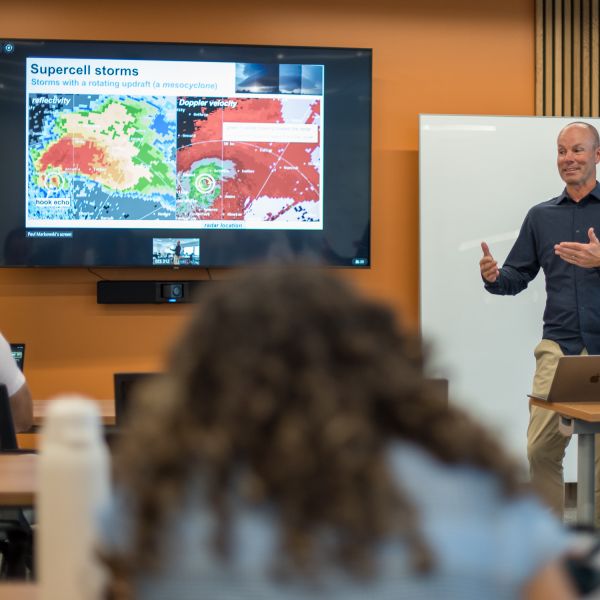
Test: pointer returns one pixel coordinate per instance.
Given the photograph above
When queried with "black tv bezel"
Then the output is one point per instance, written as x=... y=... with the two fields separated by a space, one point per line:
x=115 y=46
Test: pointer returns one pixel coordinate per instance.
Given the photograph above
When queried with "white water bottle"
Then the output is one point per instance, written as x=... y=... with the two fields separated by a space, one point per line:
x=74 y=484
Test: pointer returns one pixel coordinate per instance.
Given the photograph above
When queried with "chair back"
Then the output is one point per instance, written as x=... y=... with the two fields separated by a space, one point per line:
x=124 y=384
x=8 y=436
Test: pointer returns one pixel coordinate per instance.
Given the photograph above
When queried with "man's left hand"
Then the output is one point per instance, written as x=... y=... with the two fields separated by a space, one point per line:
x=581 y=255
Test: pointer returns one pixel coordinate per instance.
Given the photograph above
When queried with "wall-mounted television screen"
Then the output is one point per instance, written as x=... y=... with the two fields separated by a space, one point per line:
x=136 y=154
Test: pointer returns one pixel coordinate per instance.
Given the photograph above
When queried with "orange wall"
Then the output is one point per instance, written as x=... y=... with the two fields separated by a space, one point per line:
x=430 y=56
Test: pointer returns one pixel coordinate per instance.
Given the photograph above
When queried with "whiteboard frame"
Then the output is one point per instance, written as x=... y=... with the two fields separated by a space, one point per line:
x=478 y=177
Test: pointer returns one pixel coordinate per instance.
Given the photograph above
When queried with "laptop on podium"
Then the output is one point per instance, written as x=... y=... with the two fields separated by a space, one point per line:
x=577 y=379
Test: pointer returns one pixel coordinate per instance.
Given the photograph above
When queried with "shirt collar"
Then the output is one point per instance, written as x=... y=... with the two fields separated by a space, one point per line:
x=564 y=197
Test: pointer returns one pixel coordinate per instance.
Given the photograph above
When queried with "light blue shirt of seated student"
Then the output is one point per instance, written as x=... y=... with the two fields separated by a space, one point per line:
x=485 y=545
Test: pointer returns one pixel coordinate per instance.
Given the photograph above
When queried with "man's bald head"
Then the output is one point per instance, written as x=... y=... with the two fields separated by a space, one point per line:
x=578 y=154
x=583 y=125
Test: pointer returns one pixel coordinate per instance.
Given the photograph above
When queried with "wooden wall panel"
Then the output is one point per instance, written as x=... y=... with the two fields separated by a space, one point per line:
x=567 y=56
x=594 y=62
x=585 y=58
x=576 y=83
x=539 y=53
x=557 y=59
x=567 y=47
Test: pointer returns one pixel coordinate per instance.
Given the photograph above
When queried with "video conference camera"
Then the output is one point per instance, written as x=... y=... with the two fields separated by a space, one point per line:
x=147 y=292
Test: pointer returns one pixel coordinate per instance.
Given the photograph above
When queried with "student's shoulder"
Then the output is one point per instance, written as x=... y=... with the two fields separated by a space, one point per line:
x=429 y=479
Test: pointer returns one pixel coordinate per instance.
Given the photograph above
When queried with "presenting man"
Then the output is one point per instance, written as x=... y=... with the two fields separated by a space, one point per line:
x=177 y=253
x=558 y=236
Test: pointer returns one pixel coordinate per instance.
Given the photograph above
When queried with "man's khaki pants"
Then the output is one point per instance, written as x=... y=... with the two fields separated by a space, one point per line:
x=545 y=444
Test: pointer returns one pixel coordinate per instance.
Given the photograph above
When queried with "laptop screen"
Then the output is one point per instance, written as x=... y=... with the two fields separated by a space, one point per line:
x=18 y=352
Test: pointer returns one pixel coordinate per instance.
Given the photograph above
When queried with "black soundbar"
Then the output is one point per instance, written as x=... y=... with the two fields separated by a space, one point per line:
x=147 y=292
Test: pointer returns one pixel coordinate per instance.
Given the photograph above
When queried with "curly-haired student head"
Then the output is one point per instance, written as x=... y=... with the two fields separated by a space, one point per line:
x=296 y=433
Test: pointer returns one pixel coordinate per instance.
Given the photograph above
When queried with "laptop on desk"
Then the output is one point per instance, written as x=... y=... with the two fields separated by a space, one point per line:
x=18 y=352
x=577 y=379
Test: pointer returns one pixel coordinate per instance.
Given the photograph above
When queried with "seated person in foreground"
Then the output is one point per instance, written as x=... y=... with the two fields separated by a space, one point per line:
x=11 y=376
x=297 y=452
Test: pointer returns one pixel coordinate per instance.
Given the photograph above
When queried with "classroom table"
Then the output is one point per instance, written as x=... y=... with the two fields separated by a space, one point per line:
x=17 y=471
x=18 y=483
x=18 y=591
x=30 y=439
x=18 y=479
x=107 y=411
x=583 y=419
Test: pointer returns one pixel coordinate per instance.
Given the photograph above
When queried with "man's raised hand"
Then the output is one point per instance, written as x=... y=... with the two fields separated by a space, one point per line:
x=487 y=265
x=581 y=255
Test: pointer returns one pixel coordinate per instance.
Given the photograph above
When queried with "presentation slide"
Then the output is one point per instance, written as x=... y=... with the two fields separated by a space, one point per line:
x=173 y=145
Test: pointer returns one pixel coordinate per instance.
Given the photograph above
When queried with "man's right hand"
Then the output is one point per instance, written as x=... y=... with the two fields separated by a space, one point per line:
x=487 y=265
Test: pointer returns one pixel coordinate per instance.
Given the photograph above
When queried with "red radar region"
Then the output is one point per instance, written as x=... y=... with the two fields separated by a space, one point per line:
x=250 y=159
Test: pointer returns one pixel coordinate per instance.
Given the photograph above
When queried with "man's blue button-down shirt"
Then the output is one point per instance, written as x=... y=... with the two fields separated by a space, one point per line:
x=572 y=314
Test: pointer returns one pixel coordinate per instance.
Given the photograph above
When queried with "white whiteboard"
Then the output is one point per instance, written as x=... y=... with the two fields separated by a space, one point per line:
x=479 y=175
